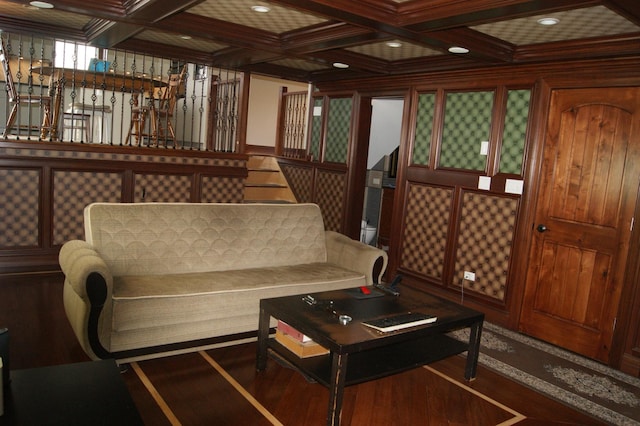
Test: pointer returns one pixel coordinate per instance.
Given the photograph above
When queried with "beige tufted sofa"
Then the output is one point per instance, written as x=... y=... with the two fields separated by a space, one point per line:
x=157 y=277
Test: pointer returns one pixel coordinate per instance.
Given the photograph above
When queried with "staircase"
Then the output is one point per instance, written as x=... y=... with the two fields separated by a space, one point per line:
x=265 y=182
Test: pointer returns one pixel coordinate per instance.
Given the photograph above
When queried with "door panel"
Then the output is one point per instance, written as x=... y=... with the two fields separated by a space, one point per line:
x=583 y=217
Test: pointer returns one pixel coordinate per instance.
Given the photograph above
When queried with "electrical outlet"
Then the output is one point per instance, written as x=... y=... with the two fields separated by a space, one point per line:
x=469 y=276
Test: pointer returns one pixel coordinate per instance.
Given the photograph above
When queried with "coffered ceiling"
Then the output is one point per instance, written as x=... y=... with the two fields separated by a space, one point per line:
x=302 y=40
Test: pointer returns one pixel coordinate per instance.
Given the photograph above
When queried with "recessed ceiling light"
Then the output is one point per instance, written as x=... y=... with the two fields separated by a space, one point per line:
x=41 y=4
x=458 y=49
x=394 y=44
x=340 y=65
x=548 y=21
x=260 y=9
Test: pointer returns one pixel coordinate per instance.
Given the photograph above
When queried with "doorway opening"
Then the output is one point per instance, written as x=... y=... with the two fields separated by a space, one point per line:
x=382 y=162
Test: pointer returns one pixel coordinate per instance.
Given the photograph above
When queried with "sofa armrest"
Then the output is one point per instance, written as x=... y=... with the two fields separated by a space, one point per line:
x=87 y=289
x=351 y=254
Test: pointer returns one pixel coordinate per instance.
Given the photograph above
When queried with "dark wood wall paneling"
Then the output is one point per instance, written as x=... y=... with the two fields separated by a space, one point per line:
x=415 y=184
x=45 y=187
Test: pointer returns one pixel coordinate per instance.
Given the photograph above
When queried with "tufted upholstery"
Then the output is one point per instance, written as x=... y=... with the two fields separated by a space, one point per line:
x=180 y=272
x=161 y=238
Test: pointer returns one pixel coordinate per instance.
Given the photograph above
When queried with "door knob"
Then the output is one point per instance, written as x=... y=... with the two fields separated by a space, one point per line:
x=541 y=228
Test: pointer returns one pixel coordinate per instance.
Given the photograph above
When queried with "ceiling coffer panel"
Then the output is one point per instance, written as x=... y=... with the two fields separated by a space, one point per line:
x=301 y=40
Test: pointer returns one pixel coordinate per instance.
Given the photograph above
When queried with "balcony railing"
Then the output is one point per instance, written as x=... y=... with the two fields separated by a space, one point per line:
x=115 y=97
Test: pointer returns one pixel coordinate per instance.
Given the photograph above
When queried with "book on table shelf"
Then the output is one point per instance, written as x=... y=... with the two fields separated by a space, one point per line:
x=301 y=349
x=287 y=329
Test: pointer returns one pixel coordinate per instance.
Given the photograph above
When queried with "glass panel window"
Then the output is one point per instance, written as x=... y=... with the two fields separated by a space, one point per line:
x=515 y=130
x=466 y=131
x=74 y=55
x=316 y=129
x=338 y=129
x=424 y=128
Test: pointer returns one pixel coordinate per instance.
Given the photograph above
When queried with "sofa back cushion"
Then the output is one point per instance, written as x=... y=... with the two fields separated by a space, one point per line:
x=166 y=238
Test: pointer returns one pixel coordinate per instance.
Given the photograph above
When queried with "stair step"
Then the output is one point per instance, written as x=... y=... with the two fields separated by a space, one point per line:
x=265 y=182
x=264 y=185
x=260 y=162
x=263 y=169
x=268 y=202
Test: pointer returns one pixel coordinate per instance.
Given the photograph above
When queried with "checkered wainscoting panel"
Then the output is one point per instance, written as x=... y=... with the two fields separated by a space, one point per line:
x=72 y=191
x=515 y=131
x=467 y=122
x=338 y=126
x=426 y=225
x=484 y=242
x=156 y=188
x=424 y=127
x=329 y=195
x=216 y=189
x=20 y=194
x=299 y=179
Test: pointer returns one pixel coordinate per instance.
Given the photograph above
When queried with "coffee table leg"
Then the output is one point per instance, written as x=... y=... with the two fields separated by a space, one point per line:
x=263 y=338
x=474 y=351
x=336 y=391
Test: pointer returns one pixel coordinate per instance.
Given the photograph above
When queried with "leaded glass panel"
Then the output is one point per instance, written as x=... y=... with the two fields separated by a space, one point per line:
x=316 y=129
x=515 y=130
x=424 y=128
x=338 y=128
x=467 y=123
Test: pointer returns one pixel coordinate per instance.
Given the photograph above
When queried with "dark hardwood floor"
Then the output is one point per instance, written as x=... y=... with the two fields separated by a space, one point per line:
x=221 y=386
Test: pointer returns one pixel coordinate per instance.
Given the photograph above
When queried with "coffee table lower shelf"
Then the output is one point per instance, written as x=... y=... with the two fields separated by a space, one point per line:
x=378 y=362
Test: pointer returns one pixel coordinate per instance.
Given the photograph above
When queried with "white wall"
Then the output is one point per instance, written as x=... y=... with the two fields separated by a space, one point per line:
x=263 y=108
x=386 y=123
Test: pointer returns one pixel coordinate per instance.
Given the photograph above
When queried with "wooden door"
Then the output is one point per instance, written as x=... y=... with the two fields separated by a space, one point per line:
x=583 y=219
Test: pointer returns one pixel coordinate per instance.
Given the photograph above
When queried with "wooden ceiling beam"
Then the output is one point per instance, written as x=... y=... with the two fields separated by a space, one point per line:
x=355 y=13
x=481 y=46
x=332 y=35
x=220 y=31
x=630 y=9
x=430 y=15
x=354 y=60
x=154 y=49
x=19 y=26
x=601 y=47
x=236 y=57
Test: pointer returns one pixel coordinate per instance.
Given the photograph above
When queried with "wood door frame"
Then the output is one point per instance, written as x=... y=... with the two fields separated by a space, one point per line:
x=535 y=156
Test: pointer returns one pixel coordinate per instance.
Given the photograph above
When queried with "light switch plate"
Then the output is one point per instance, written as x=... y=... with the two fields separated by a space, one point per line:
x=484 y=148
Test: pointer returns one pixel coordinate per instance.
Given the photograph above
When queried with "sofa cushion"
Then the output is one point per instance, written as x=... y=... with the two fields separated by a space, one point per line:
x=169 y=238
x=157 y=309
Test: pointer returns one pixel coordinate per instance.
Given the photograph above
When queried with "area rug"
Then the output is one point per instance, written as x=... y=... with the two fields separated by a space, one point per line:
x=581 y=383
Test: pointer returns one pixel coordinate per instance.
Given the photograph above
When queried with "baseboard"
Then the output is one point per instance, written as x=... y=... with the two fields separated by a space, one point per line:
x=630 y=365
x=260 y=150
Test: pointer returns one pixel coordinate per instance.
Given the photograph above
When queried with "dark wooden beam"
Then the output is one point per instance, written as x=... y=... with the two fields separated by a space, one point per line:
x=630 y=9
x=220 y=31
x=30 y=28
x=168 y=51
x=431 y=15
x=356 y=13
x=602 y=47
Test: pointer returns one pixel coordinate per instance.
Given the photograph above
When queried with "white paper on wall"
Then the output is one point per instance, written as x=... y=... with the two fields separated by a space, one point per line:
x=513 y=186
x=484 y=182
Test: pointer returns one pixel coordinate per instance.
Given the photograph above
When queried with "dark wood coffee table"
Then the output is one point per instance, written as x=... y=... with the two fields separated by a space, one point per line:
x=358 y=353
